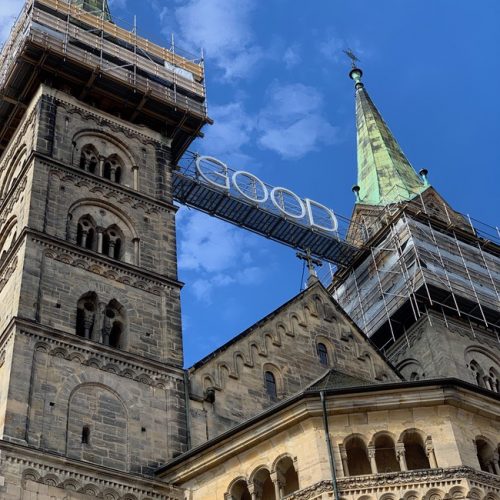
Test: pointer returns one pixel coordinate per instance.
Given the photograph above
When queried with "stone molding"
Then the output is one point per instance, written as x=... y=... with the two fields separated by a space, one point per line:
x=8 y=271
x=418 y=476
x=121 y=272
x=104 y=188
x=102 y=119
x=103 y=361
x=94 y=482
x=12 y=199
x=395 y=482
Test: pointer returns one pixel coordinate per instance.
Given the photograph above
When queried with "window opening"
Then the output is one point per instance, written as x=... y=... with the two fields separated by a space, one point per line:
x=270 y=381
x=322 y=354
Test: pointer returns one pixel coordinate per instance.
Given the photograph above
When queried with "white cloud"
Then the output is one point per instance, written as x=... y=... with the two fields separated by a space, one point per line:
x=292 y=123
x=219 y=253
x=221 y=27
x=9 y=10
x=292 y=56
x=208 y=244
x=331 y=48
x=229 y=135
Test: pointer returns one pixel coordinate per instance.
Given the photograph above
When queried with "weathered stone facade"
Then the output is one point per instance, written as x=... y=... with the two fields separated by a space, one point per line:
x=284 y=343
x=91 y=343
x=94 y=398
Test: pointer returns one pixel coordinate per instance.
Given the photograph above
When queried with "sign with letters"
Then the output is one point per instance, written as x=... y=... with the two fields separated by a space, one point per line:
x=251 y=189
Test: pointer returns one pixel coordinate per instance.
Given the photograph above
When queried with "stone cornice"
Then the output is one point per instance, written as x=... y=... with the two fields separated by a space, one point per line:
x=417 y=477
x=407 y=480
x=120 y=271
x=114 y=123
x=78 y=349
x=83 y=477
x=307 y=405
x=107 y=188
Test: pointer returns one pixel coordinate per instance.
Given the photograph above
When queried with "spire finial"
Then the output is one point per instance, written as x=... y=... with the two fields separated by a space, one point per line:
x=355 y=73
x=311 y=262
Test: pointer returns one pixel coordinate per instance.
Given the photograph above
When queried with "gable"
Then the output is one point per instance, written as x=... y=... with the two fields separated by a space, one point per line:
x=231 y=381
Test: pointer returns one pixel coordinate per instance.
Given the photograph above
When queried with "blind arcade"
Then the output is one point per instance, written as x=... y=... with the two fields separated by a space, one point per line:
x=250 y=188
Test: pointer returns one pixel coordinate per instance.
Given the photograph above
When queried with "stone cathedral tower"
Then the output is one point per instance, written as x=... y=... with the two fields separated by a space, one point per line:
x=426 y=285
x=91 y=372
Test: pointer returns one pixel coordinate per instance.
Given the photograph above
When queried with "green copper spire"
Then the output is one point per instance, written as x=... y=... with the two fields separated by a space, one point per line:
x=98 y=8
x=384 y=173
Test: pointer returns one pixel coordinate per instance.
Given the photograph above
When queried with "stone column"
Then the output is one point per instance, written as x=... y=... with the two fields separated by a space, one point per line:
x=135 y=174
x=401 y=455
x=279 y=482
x=496 y=463
x=101 y=166
x=135 y=241
x=100 y=232
x=345 y=466
x=373 y=462
x=429 y=451
x=88 y=320
x=84 y=238
x=255 y=490
x=111 y=249
x=106 y=329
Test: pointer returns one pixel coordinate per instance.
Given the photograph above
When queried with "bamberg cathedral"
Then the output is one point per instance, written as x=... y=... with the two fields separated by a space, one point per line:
x=381 y=384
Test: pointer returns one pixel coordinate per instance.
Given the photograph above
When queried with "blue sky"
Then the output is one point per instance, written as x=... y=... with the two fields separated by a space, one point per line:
x=283 y=107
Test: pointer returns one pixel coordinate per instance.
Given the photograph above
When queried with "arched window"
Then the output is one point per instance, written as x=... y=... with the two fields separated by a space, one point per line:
x=485 y=452
x=415 y=454
x=287 y=475
x=113 y=325
x=357 y=456
x=86 y=233
x=491 y=380
x=239 y=491
x=322 y=354
x=113 y=169
x=263 y=485
x=477 y=373
x=89 y=159
x=86 y=315
x=385 y=454
x=112 y=242
x=270 y=382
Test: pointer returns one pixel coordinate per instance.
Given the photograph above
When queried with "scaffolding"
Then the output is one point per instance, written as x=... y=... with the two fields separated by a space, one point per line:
x=97 y=60
x=422 y=257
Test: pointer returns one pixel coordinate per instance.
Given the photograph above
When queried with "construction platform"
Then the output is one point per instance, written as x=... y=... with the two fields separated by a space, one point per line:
x=98 y=62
